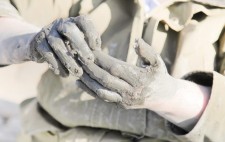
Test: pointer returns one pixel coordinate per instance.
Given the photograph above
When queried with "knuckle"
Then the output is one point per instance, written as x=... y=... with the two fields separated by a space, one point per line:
x=90 y=58
x=94 y=39
x=40 y=36
x=106 y=79
x=115 y=68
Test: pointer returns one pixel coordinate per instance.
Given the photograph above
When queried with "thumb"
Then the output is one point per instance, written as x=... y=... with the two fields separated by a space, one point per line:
x=146 y=52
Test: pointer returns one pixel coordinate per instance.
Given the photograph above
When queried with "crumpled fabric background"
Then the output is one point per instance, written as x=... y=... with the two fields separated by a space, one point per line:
x=10 y=124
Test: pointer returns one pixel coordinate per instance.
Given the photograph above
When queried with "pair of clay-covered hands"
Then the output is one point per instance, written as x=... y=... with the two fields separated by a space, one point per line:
x=73 y=46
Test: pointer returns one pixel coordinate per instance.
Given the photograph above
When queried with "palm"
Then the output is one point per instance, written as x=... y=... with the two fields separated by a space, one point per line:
x=123 y=83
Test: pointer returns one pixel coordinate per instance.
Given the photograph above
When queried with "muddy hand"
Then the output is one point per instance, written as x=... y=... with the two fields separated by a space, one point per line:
x=51 y=44
x=81 y=45
x=126 y=84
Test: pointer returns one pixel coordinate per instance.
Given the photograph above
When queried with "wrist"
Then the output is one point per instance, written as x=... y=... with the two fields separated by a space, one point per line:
x=24 y=47
x=161 y=93
x=185 y=106
x=189 y=103
x=17 y=49
x=15 y=40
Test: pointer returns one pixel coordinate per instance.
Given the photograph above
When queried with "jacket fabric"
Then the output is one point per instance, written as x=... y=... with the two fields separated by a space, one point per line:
x=189 y=35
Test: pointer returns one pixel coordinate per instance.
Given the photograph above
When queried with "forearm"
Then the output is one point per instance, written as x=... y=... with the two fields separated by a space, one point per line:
x=14 y=40
x=185 y=106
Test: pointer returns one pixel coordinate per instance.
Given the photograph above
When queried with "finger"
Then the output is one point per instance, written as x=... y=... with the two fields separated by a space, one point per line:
x=45 y=51
x=146 y=52
x=76 y=39
x=87 y=27
x=107 y=80
x=129 y=73
x=84 y=87
x=101 y=91
x=62 y=53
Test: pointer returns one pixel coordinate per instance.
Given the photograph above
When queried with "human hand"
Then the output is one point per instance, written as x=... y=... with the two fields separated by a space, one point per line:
x=131 y=86
x=146 y=86
x=51 y=44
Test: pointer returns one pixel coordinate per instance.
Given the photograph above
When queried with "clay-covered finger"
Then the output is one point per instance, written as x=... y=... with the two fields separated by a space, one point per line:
x=85 y=24
x=46 y=52
x=77 y=42
x=107 y=80
x=62 y=53
x=84 y=87
x=101 y=91
x=131 y=74
x=146 y=52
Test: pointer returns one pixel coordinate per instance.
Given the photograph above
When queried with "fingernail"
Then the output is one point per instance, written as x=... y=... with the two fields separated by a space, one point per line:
x=78 y=72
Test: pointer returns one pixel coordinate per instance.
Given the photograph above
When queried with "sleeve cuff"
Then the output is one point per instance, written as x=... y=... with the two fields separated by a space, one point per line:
x=214 y=113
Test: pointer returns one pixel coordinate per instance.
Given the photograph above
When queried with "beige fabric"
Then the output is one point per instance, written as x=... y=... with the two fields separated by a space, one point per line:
x=136 y=32
x=79 y=134
x=43 y=12
x=7 y=9
x=211 y=125
x=189 y=37
x=178 y=55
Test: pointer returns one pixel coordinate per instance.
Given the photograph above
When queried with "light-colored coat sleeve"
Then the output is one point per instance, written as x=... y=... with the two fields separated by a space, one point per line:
x=210 y=126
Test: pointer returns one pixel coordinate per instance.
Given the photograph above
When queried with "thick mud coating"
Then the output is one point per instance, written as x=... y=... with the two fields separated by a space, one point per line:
x=40 y=46
x=50 y=45
x=72 y=46
x=132 y=83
